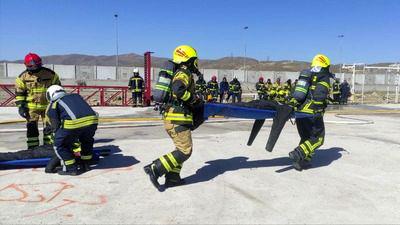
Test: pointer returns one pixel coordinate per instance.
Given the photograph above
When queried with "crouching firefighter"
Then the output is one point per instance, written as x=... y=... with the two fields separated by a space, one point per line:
x=71 y=119
x=310 y=96
x=183 y=113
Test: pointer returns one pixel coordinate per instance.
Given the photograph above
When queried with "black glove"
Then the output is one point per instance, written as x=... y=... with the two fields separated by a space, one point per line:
x=198 y=114
x=23 y=111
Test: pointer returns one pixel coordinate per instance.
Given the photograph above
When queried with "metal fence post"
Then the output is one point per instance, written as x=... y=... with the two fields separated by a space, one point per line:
x=387 y=95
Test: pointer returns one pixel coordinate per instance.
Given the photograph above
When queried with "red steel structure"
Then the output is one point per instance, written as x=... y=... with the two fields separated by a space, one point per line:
x=94 y=95
x=147 y=78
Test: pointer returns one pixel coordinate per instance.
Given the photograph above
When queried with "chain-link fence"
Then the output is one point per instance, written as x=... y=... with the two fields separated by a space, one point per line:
x=372 y=84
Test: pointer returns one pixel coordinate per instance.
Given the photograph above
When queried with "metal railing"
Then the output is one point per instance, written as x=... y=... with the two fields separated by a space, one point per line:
x=94 y=95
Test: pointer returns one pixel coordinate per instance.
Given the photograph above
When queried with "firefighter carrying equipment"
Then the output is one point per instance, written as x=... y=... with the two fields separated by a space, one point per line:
x=311 y=96
x=178 y=118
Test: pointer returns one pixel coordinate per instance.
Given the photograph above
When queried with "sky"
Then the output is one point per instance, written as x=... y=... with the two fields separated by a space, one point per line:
x=277 y=30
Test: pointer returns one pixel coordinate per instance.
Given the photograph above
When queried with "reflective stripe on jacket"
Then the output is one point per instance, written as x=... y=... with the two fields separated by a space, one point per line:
x=31 y=87
x=71 y=112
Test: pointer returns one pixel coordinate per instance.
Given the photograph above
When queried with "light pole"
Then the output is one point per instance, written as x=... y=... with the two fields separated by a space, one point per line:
x=245 y=49
x=116 y=43
x=341 y=36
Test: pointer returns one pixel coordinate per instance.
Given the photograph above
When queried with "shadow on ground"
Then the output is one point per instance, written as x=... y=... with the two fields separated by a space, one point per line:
x=115 y=159
x=322 y=157
x=103 y=140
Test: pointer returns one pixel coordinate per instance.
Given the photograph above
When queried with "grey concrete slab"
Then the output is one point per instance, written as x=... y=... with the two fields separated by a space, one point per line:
x=354 y=179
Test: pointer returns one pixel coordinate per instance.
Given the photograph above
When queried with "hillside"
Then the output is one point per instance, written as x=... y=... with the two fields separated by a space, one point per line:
x=133 y=59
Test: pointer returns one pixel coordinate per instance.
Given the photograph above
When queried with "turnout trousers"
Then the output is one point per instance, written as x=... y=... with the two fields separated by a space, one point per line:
x=64 y=140
x=137 y=97
x=312 y=134
x=32 y=133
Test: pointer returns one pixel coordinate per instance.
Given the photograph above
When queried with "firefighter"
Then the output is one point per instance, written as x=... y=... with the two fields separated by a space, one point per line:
x=71 y=119
x=345 y=92
x=200 y=87
x=212 y=89
x=279 y=91
x=310 y=96
x=30 y=91
x=261 y=88
x=235 y=90
x=268 y=86
x=287 y=88
x=136 y=85
x=179 y=119
x=223 y=89
x=336 y=91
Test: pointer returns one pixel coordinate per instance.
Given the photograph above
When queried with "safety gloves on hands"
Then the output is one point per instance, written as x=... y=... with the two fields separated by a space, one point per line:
x=23 y=111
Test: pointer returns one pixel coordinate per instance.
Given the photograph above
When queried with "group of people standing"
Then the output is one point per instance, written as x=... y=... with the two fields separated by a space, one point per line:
x=340 y=92
x=212 y=91
x=274 y=91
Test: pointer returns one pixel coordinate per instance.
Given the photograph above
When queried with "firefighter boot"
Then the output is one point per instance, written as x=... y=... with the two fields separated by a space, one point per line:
x=299 y=159
x=70 y=170
x=173 y=179
x=302 y=164
x=152 y=171
x=84 y=166
x=53 y=165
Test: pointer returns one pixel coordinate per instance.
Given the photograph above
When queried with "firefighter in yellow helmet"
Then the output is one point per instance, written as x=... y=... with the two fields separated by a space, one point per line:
x=180 y=118
x=30 y=90
x=310 y=96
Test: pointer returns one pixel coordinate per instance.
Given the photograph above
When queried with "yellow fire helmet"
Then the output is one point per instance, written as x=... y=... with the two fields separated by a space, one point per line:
x=320 y=61
x=183 y=53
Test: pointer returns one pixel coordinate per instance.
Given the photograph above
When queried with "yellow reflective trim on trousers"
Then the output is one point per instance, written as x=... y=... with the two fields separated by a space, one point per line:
x=176 y=170
x=86 y=157
x=186 y=96
x=182 y=77
x=38 y=106
x=33 y=138
x=30 y=144
x=76 y=149
x=172 y=159
x=325 y=84
x=309 y=146
x=165 y=164
x=305 y=150
x=318 y=143
x=69 y=162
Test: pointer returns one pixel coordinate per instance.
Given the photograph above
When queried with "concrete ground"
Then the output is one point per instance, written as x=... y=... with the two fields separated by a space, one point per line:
x=354 y=178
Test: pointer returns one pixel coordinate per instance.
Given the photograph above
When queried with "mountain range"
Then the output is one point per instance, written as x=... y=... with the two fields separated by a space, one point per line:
x=133 y=59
